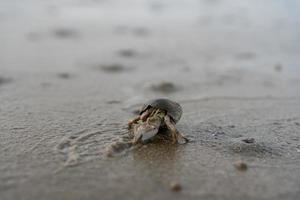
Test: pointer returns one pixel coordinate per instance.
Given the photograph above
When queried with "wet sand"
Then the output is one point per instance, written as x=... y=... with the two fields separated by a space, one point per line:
x=73 y=73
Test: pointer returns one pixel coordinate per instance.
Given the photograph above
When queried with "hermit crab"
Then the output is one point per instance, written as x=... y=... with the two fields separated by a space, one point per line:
x=155 y=115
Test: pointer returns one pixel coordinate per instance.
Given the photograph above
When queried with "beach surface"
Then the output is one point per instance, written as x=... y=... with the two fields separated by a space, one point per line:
x=73 y=73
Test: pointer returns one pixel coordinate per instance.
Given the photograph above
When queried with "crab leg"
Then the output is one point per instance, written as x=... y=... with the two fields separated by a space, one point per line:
x=145 y=115
x=133 y=121
x=142 y=117
x=176 y=135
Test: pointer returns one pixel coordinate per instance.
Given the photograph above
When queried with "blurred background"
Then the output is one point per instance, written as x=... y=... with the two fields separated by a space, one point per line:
x=145 y=48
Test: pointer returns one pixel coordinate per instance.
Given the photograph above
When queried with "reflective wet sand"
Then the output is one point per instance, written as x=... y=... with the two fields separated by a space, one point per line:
x=72 y=73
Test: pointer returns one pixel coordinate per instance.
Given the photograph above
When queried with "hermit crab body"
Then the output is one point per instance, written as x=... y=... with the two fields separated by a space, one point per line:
x=172 y=108
x=153 y=115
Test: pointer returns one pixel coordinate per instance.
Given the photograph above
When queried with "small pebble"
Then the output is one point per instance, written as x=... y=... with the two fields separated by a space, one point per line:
x=141 y=31
x=175 y=186
x=127 y=52
x=64 y=75
x=165 y=87
x=278 y=67
x=113 y=67
x=241 y=166
x=249 y=140
x=113 y=102
x=65 y=33
x=4 y=80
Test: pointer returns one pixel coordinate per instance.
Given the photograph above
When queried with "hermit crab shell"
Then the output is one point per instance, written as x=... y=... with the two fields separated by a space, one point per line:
x=172 y=108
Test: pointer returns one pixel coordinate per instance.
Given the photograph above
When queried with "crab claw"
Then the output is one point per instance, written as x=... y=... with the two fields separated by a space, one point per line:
x=149 y=134
x=144 y=132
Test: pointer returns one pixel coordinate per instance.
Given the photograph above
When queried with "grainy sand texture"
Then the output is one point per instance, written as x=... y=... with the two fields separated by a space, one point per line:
x=73 y=72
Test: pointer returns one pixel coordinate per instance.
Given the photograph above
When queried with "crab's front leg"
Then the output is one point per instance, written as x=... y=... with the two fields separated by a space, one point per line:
x=133 y=121
x=142 y=117
x=145 y=114
x=176 y=135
